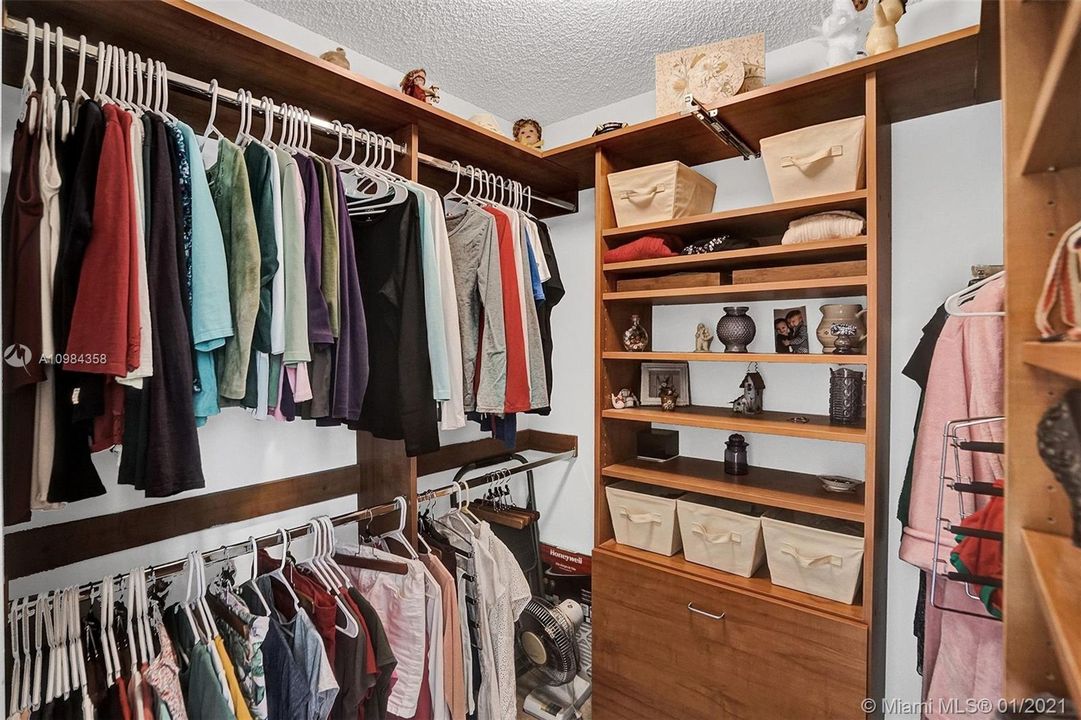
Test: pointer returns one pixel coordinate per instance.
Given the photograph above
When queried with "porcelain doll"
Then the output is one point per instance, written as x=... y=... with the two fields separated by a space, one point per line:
x=528 y=132
x=413 y=85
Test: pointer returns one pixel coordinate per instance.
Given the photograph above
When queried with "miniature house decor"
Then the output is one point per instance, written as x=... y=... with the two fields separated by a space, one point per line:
x=750 y=403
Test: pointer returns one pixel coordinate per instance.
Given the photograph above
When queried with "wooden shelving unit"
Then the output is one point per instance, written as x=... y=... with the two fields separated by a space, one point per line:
x=874 y=89
x=1061 y=358
x=1056 y=564
x=817 y=427
x=759 y=585
x=809 y=358
x=1042 y=178
x=765 y=486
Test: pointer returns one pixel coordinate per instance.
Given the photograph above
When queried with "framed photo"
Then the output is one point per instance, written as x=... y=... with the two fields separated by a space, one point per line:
x=654 y=374
x=790 y=330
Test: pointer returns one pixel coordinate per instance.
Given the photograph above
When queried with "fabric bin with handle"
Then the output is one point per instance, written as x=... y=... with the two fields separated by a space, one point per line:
x=644 y=516
x=817 y=160
x=659 y=192
x=817 y=555
x=722 y=534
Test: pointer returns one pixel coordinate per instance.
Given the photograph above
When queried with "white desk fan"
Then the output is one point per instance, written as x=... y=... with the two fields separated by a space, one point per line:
x=548 y=635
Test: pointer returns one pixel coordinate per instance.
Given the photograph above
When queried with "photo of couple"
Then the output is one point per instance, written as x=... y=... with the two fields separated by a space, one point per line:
x=790 y=330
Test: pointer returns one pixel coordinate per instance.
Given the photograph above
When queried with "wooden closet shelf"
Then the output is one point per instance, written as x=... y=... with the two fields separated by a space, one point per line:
x=760 y=585
x=1063 y=358
x=759 y=221
x=820 y=288
x=853 y=248
x=932 y=76
x=806 y=358
x=818 y=427
x=1056 y=563
x=798 y=491
x=1053 y=138
x=201 y=44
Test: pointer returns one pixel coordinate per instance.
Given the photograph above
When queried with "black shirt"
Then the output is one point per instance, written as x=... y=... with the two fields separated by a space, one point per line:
x=399 y=402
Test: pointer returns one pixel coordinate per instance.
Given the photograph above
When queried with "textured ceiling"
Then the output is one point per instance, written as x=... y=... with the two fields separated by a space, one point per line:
x=546 y=59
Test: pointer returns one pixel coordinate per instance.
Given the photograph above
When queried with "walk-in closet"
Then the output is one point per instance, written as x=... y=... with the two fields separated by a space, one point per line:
x=613 y=360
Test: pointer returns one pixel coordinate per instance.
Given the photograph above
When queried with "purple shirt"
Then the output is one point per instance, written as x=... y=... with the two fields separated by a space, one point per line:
x=319 y=332
x=351 y=364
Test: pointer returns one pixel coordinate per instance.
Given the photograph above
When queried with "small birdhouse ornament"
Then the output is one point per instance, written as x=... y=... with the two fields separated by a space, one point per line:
x=750 y=402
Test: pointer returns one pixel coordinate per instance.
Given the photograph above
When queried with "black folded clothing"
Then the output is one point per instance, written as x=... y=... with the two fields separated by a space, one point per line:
x=718 y=244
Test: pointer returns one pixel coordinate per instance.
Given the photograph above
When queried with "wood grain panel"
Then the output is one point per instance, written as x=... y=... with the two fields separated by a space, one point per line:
x=700 y=668
x=46 y=548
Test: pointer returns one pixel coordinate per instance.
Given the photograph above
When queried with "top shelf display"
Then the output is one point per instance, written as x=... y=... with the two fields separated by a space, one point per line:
x=947 y=72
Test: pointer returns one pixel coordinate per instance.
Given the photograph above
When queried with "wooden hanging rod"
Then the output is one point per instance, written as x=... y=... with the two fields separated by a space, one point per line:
x=192 y=86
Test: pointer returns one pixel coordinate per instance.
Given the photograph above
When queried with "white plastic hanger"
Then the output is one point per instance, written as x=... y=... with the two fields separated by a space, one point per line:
x=398 y=533
x=255 y=574
x=279 y=573
x=80 y=94
x=163 y=89
x=242 y=102
x=28 y=670
x=14 y=704
x=41 y=674
x=954 y=302
x=268 y=121
x=80 y=658
x=40 y=621
x=29 y=86
x=463 y=501
x=101 y=72
x=112 y=662
x=63 y=110
x=136 y=677
x=352 y=627
x=211 y=129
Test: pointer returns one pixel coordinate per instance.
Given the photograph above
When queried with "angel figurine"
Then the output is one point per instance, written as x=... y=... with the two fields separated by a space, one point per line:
x=413 y=85
x=703 y=338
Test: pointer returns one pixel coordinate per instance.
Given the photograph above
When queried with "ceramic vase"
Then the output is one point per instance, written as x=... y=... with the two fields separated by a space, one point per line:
x=735 y=455
x=736 y=329
x=635 y=338
x=846 y=396
x=841 y=315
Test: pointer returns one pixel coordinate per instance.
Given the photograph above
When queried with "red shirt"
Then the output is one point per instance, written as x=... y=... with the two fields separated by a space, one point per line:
x=104 y=336
x=517 y=398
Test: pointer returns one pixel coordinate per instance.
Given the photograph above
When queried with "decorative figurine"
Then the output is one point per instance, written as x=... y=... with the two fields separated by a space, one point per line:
x=735 y=329
x=528 y=132
x=846 y=396
x=668 y=395
x=841 y=32
x=413 y=85
x=702 y=338
x=636 y=339
x=336 y=57
x=624 y=399
x=750 y=403
x=1058 y=437
x=735 y=455
x=883 y=34
x=844 y=338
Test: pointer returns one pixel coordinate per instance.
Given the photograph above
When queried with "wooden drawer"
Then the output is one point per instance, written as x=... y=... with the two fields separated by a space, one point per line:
x=654 y=658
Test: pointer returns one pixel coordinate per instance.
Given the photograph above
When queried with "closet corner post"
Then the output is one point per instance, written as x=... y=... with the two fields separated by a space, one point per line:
x=408 y=164
x=877 y=468
x=384 y=472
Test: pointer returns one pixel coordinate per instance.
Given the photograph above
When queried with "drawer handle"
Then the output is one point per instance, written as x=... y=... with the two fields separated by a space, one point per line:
x=711 y=616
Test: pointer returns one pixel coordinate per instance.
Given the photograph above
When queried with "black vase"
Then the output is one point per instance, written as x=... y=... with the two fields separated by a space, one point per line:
x=846 y=396
x=1058 y=437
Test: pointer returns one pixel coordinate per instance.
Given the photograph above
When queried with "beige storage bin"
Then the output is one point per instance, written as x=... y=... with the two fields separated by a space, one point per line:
x=644 y=516
x=817 y=160
x=722 y=534
x=659 y=192
x=817 y=555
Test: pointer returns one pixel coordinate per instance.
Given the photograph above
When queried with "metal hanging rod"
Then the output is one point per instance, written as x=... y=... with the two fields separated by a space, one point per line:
x=199 y=88
x=240 y=549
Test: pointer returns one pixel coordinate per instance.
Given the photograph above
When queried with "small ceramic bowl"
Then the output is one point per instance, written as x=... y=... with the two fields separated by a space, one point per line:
x=839 y=483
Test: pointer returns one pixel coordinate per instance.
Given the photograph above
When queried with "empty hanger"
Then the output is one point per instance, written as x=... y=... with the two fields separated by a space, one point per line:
x=278 y=574
x=211 y=128
x=15 y=696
